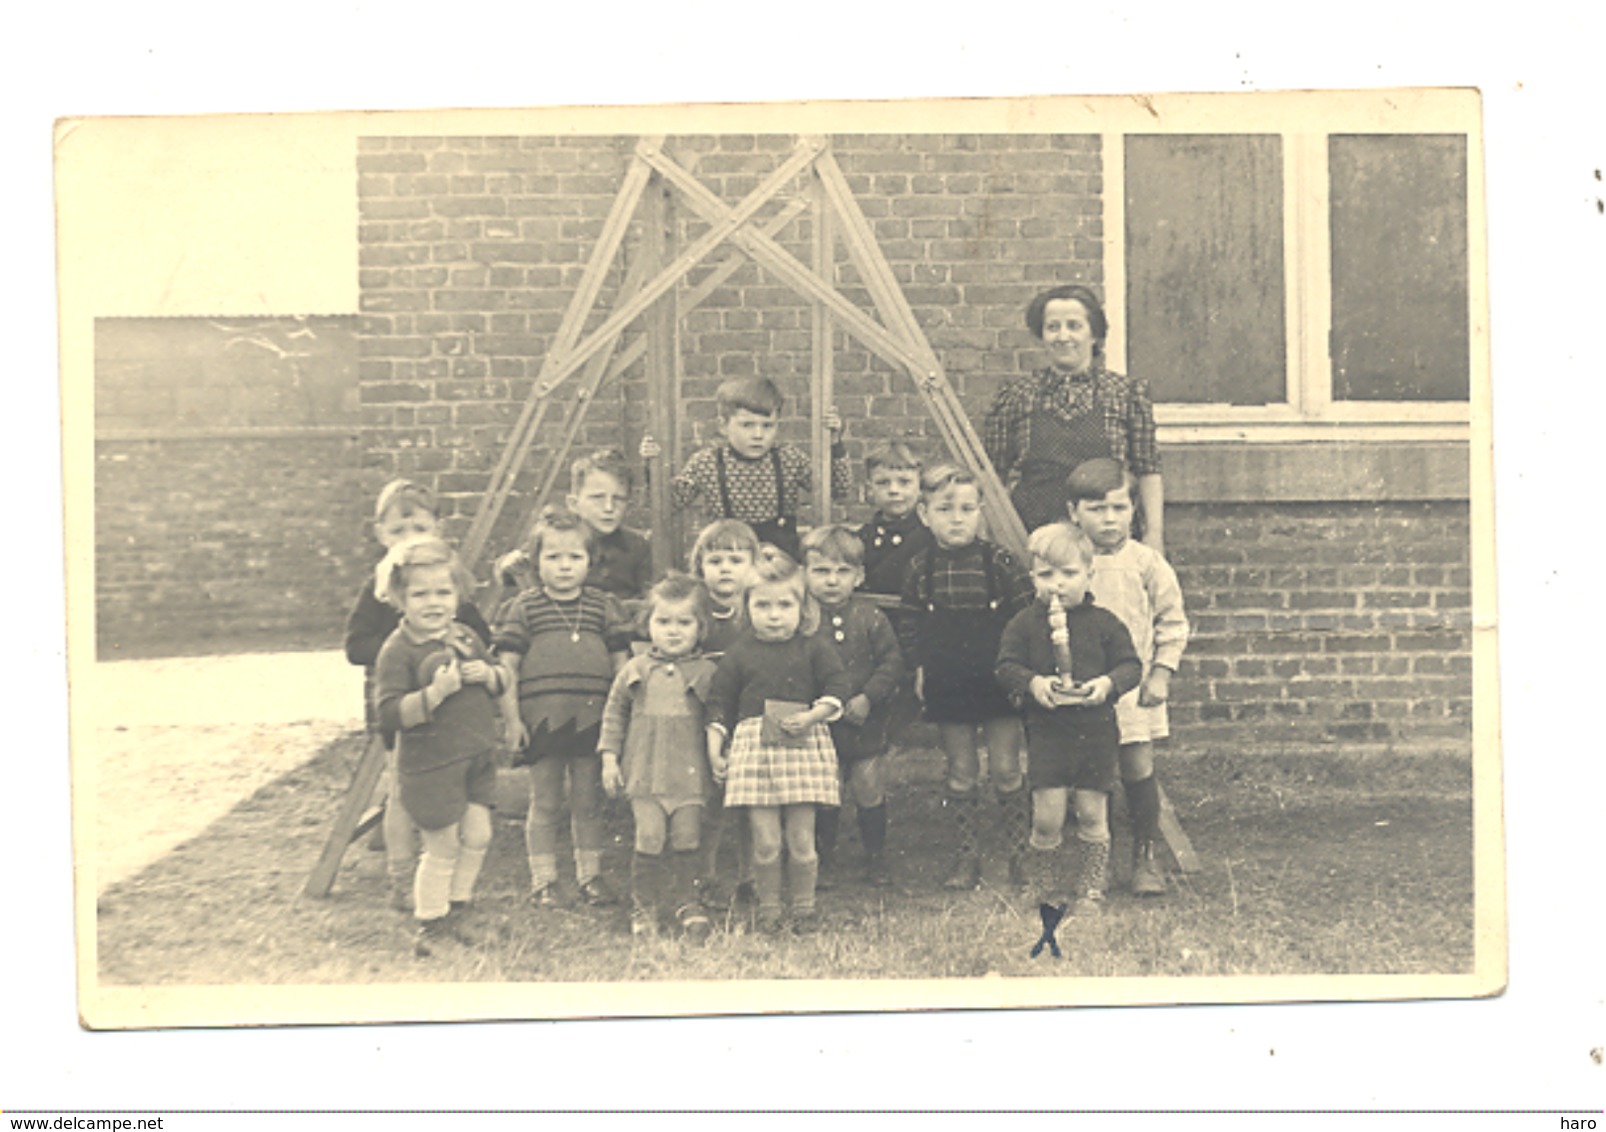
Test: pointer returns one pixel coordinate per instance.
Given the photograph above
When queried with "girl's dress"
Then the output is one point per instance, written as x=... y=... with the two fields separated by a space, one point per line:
x=787 y=770
x=655 y=717
x=956 y=604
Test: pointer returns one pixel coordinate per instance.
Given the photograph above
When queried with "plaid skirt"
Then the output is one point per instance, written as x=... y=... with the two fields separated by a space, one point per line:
x=780 y=774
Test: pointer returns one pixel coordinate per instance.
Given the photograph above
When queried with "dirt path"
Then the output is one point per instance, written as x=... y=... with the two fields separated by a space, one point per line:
x=174 y=743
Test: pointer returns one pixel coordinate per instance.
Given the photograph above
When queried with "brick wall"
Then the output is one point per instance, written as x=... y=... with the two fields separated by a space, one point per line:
x=230 y=505
x=1324 y=622
x=471 y=247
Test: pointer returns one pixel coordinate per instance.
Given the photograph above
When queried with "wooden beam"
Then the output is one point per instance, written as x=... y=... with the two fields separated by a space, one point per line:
x=770 y=255
x=930 y=381
x=533 y=412
x=656 y=248
x=352 y=805
x=822 y=352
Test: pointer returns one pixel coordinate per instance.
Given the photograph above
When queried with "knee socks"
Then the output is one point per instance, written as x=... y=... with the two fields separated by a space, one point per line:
x=466 y=872
x=767 y=882
x=966 y=811
x=432 y=886
x=683 y=876
x=1143 y=801
x=827 y=820
x=802 y=877
x=1015 y=820
x=647 y=881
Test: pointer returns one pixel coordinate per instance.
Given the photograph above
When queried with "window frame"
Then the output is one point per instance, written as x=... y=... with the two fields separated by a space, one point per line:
x=1309 y=412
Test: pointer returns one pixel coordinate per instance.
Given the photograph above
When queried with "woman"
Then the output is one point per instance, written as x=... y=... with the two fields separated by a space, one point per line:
x=1042 y=426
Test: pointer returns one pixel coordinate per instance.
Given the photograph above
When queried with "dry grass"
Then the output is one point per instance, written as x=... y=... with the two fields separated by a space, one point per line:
x=1313 y=864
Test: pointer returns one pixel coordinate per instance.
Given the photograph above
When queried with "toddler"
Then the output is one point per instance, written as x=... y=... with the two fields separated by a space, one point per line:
x=655 y=718
x=436 y=692
x=772 y=695
x=957 y=597
x=863 y=639
x=561 y=642
x=723 y=558
x=747 y=475
x=1137 y=584
x=1068 y=660
x=404 y=510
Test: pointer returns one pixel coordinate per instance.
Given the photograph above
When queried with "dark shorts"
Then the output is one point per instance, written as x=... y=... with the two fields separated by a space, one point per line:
x=960 y=697
x=1074 y=757
x=436 y=798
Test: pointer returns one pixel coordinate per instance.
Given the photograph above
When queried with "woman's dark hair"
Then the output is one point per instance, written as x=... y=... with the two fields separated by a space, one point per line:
x=1090 y=303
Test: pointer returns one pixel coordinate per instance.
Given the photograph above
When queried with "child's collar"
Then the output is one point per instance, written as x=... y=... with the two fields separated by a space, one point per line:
x=418 y=638
x=719 y=614
x=730 y=450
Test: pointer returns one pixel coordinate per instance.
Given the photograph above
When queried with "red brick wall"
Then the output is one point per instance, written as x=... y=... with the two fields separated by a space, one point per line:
x=1326 y=622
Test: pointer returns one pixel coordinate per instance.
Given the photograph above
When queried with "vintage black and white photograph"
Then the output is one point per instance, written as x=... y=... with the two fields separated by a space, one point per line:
x=1064 y=540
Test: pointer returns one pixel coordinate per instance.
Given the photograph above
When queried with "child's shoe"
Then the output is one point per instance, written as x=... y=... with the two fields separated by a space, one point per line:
x=1147 y=878
x=693 y=922
x=432 y=935
x=401 y=894
x=1089 y=905
x=805 y=923
x=596 y=893
x=546 y=896
x=643 y=922
x=770 y=921
x=746 y=894
x=1017 y=873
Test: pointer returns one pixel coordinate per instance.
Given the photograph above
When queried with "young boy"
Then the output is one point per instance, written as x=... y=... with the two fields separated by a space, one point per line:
x=405 y=510
x=1068 y=661
x=957 y=597
x=599 y=492
x=1135 y=583
x=833 y=561
x=746 y=475
x=894 y=534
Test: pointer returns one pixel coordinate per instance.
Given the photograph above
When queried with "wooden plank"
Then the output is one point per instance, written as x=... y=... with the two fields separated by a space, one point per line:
x=770 y=255
x=660 y=367
x=533 y=413
x=1176 y=840
x=352 y=805
x=822 y=386
x=930 y=381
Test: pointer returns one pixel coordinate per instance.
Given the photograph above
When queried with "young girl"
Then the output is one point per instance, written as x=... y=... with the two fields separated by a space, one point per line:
x=436 y=689
x=561 y=642
x=957 y=597
x=655 y=718
x=772 y=696
x=723 y=558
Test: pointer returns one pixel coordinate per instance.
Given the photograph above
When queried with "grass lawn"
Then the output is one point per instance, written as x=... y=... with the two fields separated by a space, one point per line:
x=1313 y=863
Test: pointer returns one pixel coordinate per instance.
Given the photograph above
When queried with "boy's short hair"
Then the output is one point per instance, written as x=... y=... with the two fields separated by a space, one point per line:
x=723 y=534
x=609 y=461
x=774 y=565
x=674 y=587
x=390 y=577
x=940 y=477
x=894 y=455
x=553 y=520
x=1059 y=543
x=406 y=495
x=755 y=394
x=835 y=543
x=1092 y=480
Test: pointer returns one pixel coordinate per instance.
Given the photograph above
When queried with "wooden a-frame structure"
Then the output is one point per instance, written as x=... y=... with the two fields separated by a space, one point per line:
x=654 y=186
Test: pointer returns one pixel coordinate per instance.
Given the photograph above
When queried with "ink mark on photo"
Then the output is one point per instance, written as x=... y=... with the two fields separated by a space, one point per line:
x=1052 y=914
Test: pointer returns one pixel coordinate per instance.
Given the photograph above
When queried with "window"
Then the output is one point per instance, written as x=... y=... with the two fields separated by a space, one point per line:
x=1270 y=286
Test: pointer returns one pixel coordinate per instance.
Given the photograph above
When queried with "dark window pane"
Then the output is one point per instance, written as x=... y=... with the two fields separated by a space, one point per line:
x=1204 y=261
x=1399 y=232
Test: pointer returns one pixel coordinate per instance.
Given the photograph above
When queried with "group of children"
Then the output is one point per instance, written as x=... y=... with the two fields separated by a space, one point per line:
x=754 y=696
